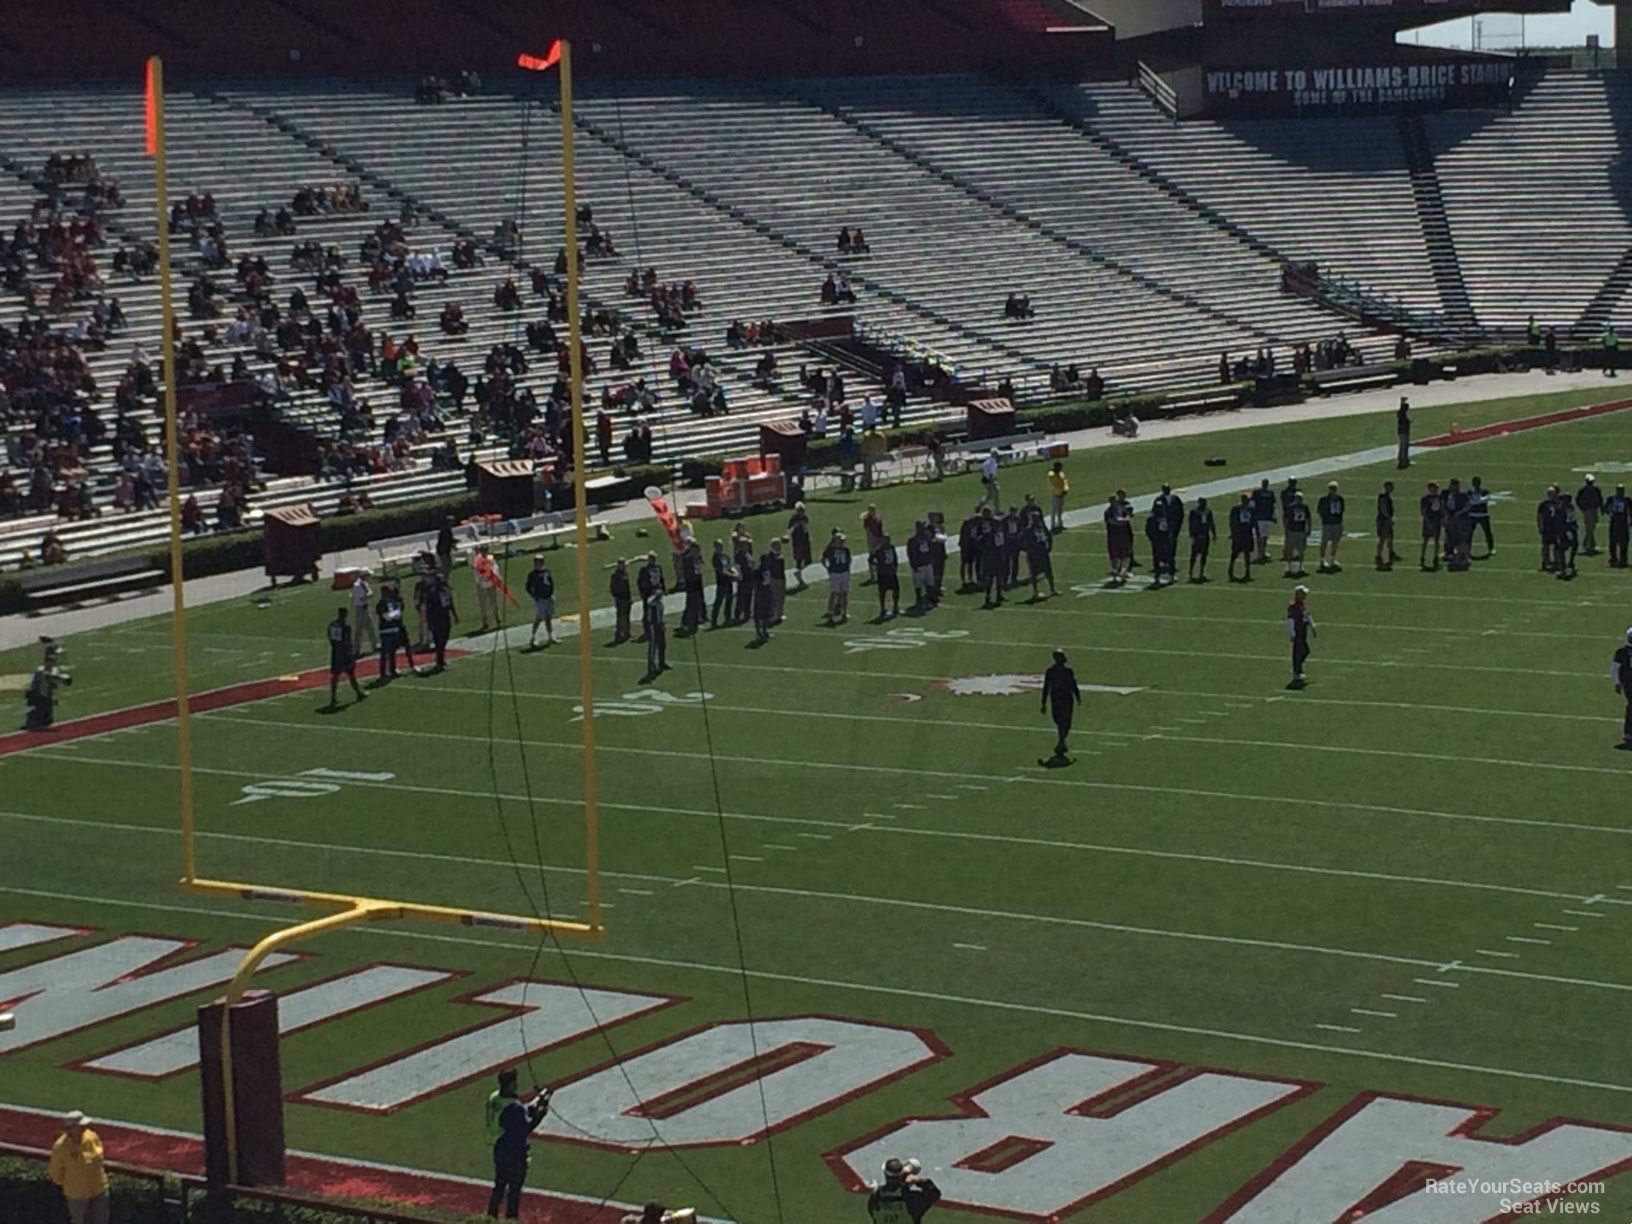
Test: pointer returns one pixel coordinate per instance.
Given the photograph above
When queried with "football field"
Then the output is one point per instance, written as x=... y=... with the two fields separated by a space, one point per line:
x=1258 y=954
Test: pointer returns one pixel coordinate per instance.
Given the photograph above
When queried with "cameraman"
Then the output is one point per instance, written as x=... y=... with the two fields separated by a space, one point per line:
x=510 y=1125
x=41 y=695
x=904 y=1198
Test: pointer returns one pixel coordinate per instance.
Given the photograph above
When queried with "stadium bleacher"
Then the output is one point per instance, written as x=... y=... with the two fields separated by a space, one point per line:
x=1147 y=247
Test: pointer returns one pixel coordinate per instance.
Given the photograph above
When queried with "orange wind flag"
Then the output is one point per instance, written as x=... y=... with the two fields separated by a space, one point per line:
x=152 y=109
x=484 y=567
x=541 y=63
x=666 y=516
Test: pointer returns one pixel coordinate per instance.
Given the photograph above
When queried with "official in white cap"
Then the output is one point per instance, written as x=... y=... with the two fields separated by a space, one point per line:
x=1620 y=674
x=991 y=495
x=1300 y=627
x=76 y=1168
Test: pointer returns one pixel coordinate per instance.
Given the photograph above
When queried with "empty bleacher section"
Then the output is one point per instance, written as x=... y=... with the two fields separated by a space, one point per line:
x=1538 y=200
x=1337 y=191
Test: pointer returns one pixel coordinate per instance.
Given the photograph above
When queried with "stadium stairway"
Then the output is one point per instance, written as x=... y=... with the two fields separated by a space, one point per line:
x=1537 y=201
x=1336 y=191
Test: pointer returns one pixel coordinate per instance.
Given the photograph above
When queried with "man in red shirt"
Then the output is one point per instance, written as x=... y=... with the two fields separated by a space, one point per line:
x=1300 y=626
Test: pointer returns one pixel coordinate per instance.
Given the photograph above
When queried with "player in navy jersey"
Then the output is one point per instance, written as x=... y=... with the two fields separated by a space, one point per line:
x=1386 y=556
x=1243 y=537
x=1433 y=522
x=1329 y=509
x=1295 y=519
x=1203 y=531
x=1619 y=509
x=342 y=657
x=836 y=561
x=1039 y=544
x=887 y=573
x=1479 y=516
x=1569 y=536
x=994 y=557
x=1159 y=531
x=1620 y=674
x=1300 y=626
x=1263 y=518
x=1548 y=527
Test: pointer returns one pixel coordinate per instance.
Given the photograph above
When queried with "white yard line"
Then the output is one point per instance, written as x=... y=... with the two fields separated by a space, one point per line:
x=1337 y=1028
x=1012 y=1006
x=1554 y=926
x=970 y=947
x=1585 y=913
x=1440 y=982
x=1528 y=939
x=1381 y=1015
x=1493 y=952
x=1399 y=998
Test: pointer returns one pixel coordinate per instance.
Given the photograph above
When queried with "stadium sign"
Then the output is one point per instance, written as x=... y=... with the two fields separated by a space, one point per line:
x=1037 y=1142
x=1363 y=89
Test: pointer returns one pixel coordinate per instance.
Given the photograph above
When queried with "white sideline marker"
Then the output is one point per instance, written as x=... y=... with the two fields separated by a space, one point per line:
x=1584 y=913
x=636 y=892
x=748 y=858
x=971 y=786
x=816 y=836
x=1491 y=952
x=1399 y=998
x=1337 y=1028
x=915 y=807
x=943 y=796
x=1553 y=926
x=710 y=870
x=970 y=947
x=1529 y=939
x=1366 y=1011
x=1440 y=982
x=779 y=846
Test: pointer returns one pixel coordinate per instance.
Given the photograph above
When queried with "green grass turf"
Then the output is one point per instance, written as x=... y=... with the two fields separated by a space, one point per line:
x=1227 y=866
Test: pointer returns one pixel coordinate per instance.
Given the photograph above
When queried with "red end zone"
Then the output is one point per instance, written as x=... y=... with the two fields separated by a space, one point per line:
x=1497 y=429
x=201 y=703
x=317 y=1176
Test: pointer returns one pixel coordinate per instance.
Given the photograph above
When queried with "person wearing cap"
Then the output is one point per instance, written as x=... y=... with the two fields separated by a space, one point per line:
x=362 y=620
x=836 y=561
x=1620 y=674
x=1061 y=697
x=1589 y=499
x=1299 y=626
x=1402 y=432
x=510 y=1125
x=1330 y=510
x=40 y=698
x=76 y=1168
x=623 y=601
x=1433 y=521
x=1479 y=515
x=905 y=1197
x=991 y=494
x=1619 y=508
x=1386 y=556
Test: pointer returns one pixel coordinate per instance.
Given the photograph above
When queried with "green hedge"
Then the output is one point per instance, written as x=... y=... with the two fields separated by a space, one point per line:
x=202 y=556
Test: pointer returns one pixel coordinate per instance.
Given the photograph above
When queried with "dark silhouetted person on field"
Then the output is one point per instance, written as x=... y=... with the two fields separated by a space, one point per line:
x=511 y=1122
x=1061 y=697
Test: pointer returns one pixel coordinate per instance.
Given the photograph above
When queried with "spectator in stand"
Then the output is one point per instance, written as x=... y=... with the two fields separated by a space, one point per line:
x=1018 y=306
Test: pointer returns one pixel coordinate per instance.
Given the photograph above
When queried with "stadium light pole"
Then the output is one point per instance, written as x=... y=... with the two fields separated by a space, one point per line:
x=155 y=123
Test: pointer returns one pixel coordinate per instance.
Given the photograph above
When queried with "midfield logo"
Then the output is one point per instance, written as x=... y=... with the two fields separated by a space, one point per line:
x=1049 y=1138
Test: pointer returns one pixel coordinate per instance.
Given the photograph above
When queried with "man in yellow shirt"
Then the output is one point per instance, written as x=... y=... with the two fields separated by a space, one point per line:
x=1058 y=487
x=76 y=1168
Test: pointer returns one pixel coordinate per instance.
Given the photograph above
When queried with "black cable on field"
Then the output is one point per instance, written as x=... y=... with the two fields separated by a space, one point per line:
x=736 y=924
x=542 y=910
